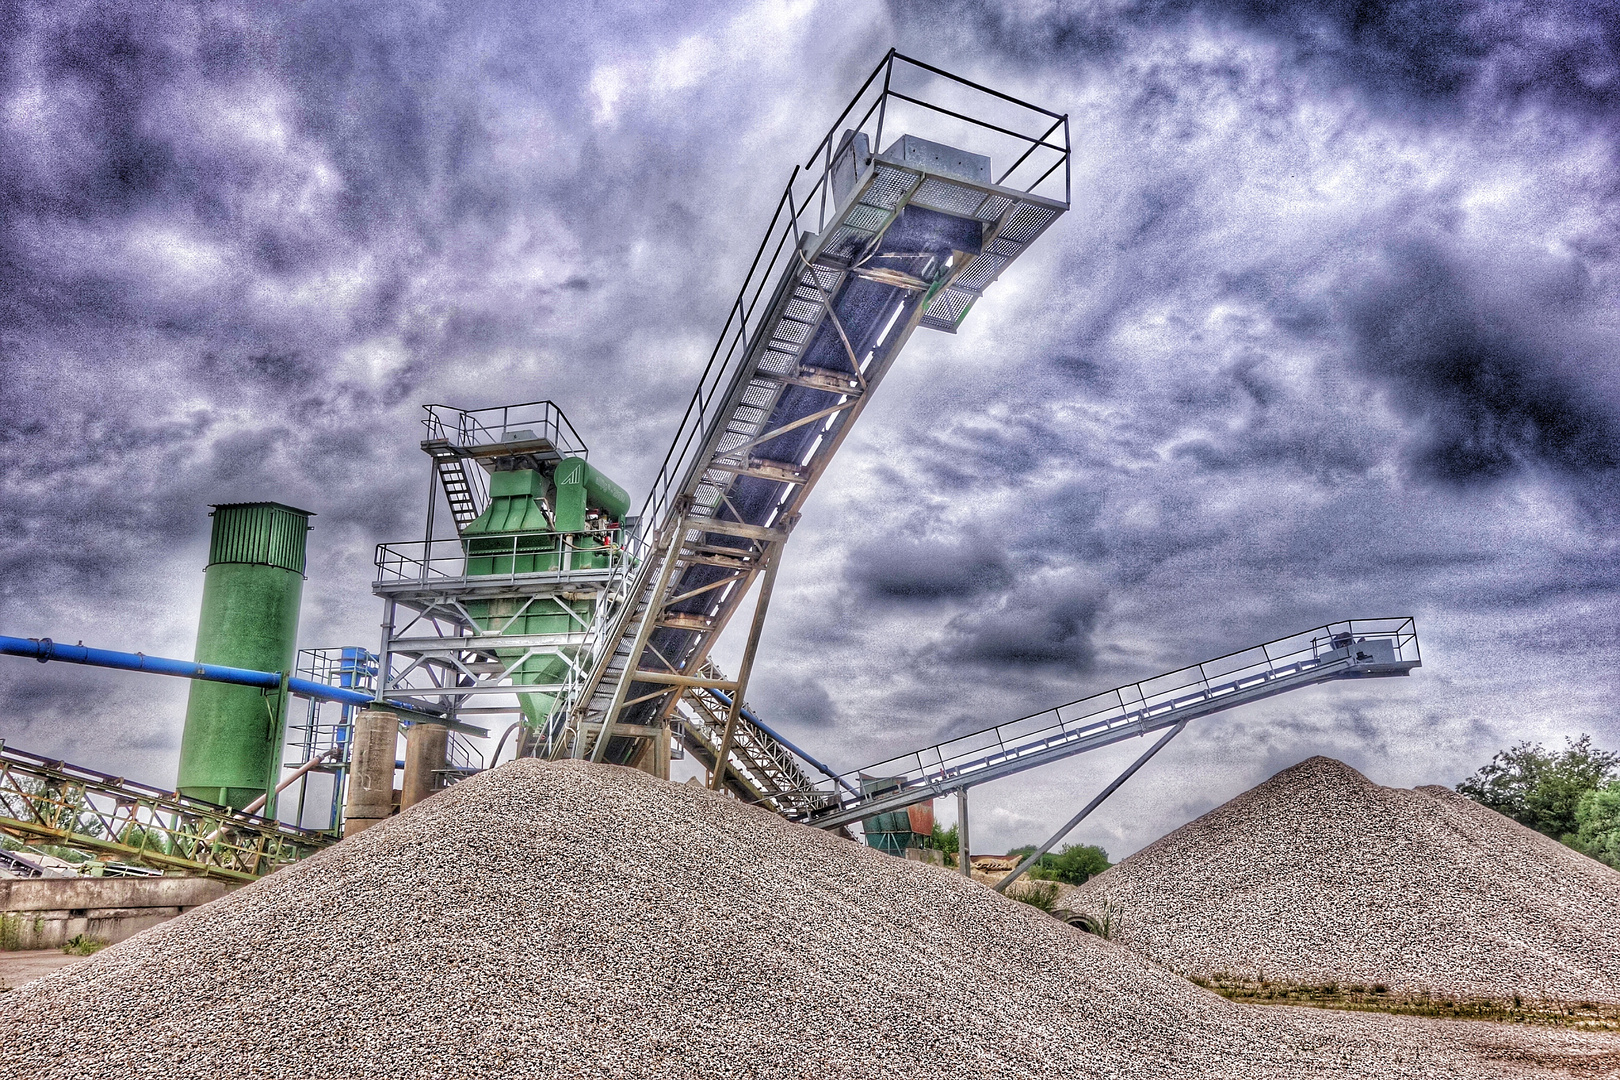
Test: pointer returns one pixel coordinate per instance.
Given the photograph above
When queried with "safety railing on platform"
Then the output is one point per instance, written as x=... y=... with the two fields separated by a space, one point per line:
x=491 y=560
x=465 y=428
x=44 y=801
x=1360 y=646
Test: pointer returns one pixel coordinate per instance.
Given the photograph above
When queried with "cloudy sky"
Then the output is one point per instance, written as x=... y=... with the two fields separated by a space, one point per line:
x=1332 y=330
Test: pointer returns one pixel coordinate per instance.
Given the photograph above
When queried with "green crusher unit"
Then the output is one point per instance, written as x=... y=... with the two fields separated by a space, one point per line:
x=538 y=523
x=230 y=752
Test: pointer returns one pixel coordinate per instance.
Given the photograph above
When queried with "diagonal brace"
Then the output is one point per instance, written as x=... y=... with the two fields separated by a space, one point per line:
x=1018 y=871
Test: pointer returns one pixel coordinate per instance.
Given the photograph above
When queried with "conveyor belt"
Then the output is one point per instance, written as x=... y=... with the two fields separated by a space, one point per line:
x=1361 y=648
x=908 y=238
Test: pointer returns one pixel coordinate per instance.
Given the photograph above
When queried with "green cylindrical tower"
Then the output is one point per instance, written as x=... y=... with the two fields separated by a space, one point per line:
x=230 y=752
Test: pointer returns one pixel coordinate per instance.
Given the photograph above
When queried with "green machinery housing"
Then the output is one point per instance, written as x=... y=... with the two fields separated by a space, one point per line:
x=542 y=518
x=230 y=752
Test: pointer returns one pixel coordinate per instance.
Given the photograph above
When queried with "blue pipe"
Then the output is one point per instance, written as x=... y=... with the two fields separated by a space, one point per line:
x=725 y=699
x=44 y=649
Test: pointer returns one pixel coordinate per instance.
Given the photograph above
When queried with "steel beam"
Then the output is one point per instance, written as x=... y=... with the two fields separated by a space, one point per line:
x=1035 y=856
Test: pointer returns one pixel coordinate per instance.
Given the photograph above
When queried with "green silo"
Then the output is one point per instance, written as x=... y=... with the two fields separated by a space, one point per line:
x=230 y=752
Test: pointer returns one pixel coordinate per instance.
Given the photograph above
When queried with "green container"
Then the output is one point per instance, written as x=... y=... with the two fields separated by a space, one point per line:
x=230 y=752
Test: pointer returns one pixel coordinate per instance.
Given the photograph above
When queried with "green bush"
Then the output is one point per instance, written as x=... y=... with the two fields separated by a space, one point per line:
x=1037 y=894
x=1541 y=789
x=1074 y=864
x=1597 y=824
x=83 y=945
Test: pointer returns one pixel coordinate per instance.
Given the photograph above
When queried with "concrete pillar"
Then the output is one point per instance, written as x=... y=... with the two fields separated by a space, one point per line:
x=370 y=797
x=426 y=751
x=964 y=854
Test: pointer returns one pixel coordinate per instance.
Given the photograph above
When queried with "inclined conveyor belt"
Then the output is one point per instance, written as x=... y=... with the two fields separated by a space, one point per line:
x=1354 y=649
x=880 y=245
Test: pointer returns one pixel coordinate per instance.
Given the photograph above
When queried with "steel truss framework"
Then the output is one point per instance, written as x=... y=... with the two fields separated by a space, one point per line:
x=44 y=801
x=437 y=653
x=867 y=244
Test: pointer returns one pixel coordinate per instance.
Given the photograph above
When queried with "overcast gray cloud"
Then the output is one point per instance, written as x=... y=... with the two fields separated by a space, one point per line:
x=1329 y=331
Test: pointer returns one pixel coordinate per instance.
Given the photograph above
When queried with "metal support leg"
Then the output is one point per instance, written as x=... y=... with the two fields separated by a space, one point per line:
x=1018 y=871
x=655 y=603
x=964 y=854
x=733 y=713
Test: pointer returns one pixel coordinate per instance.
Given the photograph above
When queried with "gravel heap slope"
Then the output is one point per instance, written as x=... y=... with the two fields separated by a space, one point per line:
x=1320 y=875
x=576 y=920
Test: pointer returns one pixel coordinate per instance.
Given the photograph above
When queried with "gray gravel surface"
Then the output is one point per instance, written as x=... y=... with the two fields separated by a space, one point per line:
x=577 y=920
x=1320 y=875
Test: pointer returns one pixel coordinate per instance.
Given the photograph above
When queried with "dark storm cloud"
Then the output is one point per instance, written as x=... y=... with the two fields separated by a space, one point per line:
x=1031 y=626
x=928 y=569
x=1424 y=53
x=1485 y=396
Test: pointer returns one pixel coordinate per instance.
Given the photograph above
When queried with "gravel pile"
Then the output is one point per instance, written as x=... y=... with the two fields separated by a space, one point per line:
x=1320 y=875
x=589 y=921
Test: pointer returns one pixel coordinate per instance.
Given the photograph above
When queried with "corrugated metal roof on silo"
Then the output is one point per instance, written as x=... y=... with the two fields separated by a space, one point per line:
x=268 y=534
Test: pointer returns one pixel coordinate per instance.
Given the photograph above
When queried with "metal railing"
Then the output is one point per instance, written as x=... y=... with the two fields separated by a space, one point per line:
x=1336 y=650
x=802 y=209
x=511 y=559
x=492 y=426
x=52 y=802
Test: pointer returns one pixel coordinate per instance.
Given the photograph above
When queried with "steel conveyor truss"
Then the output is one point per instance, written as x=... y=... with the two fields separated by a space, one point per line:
x=1353 y=649
x=860 y=253
x=45 y=801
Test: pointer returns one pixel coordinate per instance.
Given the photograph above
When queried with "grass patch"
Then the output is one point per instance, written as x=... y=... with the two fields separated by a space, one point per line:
x=83 y=945
x=1037 y=894
x=1378 y=997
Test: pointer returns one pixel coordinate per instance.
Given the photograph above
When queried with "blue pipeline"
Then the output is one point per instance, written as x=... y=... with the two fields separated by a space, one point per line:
x=725 y=699
x=44 y=649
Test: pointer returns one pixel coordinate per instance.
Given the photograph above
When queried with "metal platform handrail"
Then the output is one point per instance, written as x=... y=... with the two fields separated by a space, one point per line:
x=445 y=560
x=464 y=428
x=1325 y=652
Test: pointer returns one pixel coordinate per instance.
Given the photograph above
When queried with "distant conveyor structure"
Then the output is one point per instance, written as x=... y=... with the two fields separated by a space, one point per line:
x=1352 y=649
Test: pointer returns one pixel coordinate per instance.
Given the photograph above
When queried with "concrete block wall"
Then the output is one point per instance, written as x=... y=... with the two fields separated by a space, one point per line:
x=47 y=913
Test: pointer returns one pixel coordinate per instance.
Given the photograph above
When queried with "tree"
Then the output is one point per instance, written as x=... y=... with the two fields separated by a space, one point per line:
x=1539 y=788
x=1077 y=862
x=1072 y=865
x=945 y=839
x=1597 y=824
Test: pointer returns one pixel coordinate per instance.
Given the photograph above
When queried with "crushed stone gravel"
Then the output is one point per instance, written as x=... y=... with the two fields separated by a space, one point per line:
x=1320 y=875
x=568 y=919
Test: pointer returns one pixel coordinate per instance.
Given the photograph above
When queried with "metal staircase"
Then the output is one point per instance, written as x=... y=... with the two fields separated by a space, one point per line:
x=1353 y=649
x=454 y=482
x=861 y=252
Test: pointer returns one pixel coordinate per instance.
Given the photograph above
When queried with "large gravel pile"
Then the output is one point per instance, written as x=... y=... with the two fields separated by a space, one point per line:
x=577 y=920
x=1320 y=875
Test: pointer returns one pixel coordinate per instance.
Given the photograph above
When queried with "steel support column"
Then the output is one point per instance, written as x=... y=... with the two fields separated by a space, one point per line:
x=964 y=857
x=735 y=711
x=1018 y=871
